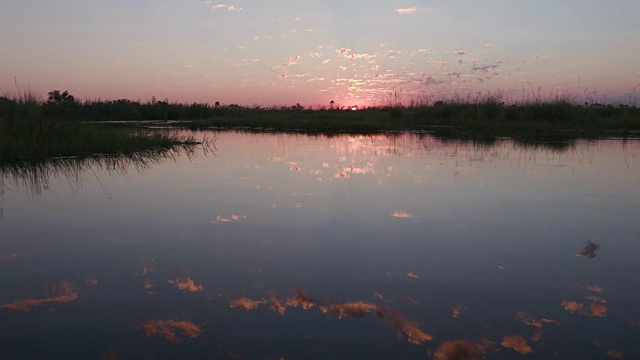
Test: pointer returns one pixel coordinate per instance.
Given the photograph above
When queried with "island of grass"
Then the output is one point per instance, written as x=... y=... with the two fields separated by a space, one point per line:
x=32 y=130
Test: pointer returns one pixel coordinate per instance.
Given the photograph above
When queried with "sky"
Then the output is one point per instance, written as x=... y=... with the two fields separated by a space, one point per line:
x=283 y=52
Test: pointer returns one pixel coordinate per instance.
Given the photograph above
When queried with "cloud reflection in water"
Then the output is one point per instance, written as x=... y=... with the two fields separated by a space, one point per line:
x=355 y=310
x=167 y=329
x=66 y=292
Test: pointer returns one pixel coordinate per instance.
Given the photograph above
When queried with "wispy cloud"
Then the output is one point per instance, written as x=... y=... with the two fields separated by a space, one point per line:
x=406 y=11
x=459 y=52
x=292 y=60
x=231 y=8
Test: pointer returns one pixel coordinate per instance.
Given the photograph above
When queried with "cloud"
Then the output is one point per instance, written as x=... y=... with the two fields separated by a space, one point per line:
x=167 y=329
x=326 y=61
x=343 y=51
x=233 y=217
x=406 y=11
x=483 y=68
x=430 y=80
x=459 y=52
x=225 y=6
x=517 y=343
x=589 y=250
x=292 y=60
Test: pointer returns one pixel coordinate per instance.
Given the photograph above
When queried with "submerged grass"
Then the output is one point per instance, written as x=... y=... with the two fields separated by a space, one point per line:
x=27 y=134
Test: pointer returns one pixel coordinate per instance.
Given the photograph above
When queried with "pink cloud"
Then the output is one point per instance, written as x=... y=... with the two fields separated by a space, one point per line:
x=406 y=11
x=225 y=6
x=292 y=60
x=459 y=52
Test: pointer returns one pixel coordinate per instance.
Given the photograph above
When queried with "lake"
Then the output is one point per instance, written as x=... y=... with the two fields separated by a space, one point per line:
x=292 y=246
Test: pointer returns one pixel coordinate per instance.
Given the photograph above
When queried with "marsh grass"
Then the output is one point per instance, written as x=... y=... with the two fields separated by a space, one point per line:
x=555 y=118
x=26 y=133
x=31 y=128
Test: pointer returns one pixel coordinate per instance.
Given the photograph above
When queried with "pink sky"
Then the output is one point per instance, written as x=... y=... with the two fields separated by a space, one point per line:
x=289 y=52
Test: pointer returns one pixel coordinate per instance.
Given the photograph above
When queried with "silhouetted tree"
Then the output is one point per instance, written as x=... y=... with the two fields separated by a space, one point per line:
x=57 y=98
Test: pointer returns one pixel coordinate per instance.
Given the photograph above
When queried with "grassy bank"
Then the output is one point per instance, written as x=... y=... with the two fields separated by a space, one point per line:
x=27 y=132
x=31 y=128
x=487 y=118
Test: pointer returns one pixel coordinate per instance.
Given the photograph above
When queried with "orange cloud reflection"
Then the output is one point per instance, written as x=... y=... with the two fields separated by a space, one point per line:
x=275 y=303
x=596 y=310
x=517 y=343
x=355 y=310
x=186 y=284
x=66 y=292
x=8 y=257
x=458 y=350
x=402 y=214
x=167 y=329
x=403 y=325
x=301 y=299
x=246 y=304
x=456 y=311
x=528 y=320
x=615 y=354
x=572 y=306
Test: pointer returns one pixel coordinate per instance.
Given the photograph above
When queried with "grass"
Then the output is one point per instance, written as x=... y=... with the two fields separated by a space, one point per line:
x=27 y=133
x=34 y=129
x=483 y=118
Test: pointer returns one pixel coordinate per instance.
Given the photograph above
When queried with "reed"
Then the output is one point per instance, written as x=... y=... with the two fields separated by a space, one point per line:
x=27 y=133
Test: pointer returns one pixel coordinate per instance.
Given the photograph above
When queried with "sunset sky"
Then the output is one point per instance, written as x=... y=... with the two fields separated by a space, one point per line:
x=311 y=52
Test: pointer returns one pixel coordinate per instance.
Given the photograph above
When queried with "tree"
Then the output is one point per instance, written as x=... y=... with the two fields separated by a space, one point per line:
x=57 y=98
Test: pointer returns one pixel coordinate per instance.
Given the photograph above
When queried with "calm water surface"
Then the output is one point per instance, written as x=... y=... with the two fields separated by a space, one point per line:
x=280 y=246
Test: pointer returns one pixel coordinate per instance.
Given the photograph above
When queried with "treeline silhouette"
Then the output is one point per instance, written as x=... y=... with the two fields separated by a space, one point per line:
x=62 y=105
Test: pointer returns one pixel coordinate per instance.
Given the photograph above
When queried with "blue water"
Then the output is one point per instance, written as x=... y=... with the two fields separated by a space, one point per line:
x=151 y=260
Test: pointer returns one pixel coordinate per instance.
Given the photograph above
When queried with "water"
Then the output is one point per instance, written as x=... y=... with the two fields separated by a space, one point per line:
x=280 y=246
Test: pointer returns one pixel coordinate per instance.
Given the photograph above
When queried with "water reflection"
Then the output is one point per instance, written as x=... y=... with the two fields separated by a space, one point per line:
x=347 y=246
x=589 y=250
x=34 y=177
x=63 y=292
x=167 y=329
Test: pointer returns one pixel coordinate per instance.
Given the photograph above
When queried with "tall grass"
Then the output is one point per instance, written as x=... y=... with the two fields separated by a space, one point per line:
x=26 y=132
